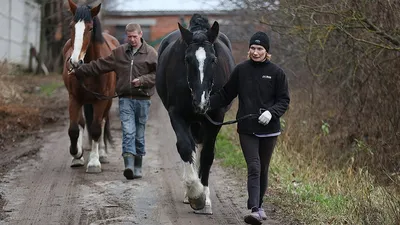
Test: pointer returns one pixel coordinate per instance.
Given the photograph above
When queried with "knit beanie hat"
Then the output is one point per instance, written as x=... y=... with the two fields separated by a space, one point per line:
x=260 y=38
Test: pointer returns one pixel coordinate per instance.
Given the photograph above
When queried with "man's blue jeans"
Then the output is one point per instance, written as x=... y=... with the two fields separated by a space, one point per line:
x=133 y=114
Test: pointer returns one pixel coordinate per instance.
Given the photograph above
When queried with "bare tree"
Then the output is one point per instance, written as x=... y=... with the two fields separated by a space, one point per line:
x=345 y=54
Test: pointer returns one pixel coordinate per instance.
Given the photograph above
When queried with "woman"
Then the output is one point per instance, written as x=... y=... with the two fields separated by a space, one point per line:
x=262 y=88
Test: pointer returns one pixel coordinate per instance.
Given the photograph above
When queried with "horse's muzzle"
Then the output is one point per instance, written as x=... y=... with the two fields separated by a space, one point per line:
x=201 y=110
x=75 y=65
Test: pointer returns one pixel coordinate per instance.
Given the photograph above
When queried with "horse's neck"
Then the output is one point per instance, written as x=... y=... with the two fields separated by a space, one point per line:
x=93 y=52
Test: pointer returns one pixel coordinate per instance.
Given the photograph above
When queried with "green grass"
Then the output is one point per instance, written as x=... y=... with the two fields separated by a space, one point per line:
x=229 y=151
x=49 y=88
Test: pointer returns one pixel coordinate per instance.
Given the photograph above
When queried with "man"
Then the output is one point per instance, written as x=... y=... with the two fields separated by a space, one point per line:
x=135 y=65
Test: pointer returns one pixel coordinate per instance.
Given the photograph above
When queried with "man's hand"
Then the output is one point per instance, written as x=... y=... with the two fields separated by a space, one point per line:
x=265 y=118
x=79 y=76
x=136 y=82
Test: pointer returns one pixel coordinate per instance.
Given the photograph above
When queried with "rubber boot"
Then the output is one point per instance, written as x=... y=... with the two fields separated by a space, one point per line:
x=129 y=161
x=137 y=172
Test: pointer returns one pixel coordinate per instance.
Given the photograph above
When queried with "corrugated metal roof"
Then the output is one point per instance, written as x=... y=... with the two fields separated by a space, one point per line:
x=164 y=5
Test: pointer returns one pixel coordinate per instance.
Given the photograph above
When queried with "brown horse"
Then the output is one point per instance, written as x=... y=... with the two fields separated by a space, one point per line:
x=88 y=43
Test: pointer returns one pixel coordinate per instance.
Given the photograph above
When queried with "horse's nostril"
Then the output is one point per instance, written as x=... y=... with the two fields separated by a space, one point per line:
x=80 y=62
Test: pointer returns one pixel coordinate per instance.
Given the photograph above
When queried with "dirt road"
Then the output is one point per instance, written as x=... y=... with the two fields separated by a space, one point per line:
x=41 y=188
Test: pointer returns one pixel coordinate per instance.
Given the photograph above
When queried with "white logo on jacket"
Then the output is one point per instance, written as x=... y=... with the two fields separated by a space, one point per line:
x=266 y=77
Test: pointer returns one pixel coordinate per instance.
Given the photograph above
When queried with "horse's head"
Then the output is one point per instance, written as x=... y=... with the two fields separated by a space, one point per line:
x=81 y=31
x=201 y=61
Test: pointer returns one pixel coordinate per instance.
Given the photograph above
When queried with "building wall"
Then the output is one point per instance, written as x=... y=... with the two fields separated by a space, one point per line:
x=20 y=24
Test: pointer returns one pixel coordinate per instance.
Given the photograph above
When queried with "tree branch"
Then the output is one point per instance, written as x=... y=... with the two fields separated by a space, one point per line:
x=368 y=42
x=378 y=31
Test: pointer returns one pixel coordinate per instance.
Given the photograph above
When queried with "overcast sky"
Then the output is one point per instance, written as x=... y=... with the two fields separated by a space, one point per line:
x=164 y=5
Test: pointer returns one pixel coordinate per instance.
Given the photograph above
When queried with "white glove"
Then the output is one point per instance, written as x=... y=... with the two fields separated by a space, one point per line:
x=265 y=118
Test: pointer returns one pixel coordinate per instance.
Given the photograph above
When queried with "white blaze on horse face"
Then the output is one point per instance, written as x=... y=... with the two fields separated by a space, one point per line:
x=201 y=58
x=78 y=41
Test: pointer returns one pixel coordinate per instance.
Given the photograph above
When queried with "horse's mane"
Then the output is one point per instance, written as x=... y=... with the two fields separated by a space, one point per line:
x=198 y=23
x=83 y=13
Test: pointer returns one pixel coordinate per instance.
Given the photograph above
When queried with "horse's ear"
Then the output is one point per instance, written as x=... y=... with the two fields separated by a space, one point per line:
x=94 y=11
x=213 y=32
x=187 y=36
x=72 y=6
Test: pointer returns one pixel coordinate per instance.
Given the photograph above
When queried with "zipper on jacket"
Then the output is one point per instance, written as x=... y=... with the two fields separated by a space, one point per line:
x=130 y=73
x=130 y=76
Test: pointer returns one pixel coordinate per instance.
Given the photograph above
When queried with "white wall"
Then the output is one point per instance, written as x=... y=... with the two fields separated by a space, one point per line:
x=19 y=26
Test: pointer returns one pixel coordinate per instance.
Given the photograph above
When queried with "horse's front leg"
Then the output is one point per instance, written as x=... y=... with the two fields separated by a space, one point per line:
x=186 y=148
x=97 y=131
x=206 y=161
x=75 y=132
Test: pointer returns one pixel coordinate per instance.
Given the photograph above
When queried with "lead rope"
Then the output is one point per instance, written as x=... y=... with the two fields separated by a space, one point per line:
x=231 y=121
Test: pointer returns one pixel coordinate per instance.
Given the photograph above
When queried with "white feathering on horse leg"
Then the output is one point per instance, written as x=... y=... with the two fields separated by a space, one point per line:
x=194 y=188
x=196 y=163
x=207 y=192
x=94 y=165
x=86 y=142
x=197 y=155
x=207 y=210
x=77 y=159
x=79 y=143
x=102 y=147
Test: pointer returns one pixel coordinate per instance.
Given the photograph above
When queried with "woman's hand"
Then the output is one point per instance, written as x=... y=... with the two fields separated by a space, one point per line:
x=265 y=118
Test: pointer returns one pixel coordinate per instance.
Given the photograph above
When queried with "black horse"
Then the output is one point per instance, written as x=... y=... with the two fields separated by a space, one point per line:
x=192 y=64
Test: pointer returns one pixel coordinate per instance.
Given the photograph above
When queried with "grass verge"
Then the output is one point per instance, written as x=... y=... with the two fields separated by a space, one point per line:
x=49 y=88
x=311 y=192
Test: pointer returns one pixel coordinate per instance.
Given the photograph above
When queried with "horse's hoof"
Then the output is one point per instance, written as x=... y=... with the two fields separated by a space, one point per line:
x=104 y=159
x=198 y=203
x=93 y=169
x=78 y=162
x=205 y=211
x=93 y=166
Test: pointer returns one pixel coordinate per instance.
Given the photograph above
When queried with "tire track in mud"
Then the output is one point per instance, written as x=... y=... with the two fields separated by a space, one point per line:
x=43 y=189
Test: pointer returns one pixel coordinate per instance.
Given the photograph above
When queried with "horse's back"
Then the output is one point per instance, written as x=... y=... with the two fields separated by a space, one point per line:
x=111 y=40
x=170 y=38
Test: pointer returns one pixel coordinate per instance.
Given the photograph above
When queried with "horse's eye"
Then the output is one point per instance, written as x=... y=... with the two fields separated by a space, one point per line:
x=90 y=29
